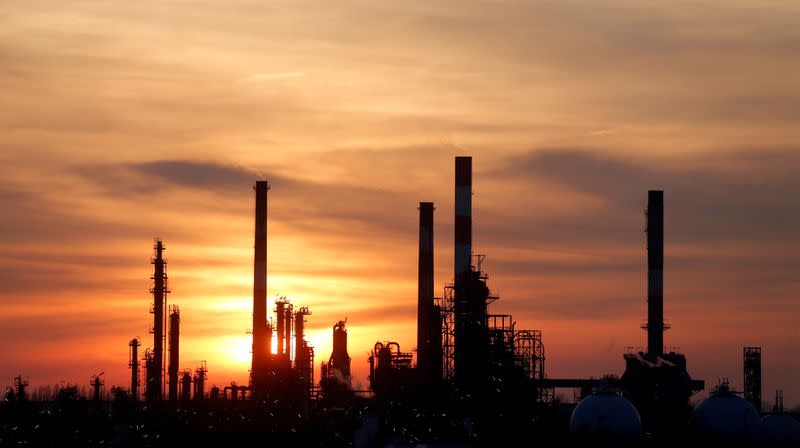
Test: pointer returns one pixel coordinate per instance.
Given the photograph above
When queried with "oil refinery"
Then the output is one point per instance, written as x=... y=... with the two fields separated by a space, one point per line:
x=475 y=378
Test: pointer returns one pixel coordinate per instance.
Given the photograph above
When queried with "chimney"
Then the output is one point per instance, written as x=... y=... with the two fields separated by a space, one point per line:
x=655 y=274
x=425 y=307
x=463 y=219
x=260 y=281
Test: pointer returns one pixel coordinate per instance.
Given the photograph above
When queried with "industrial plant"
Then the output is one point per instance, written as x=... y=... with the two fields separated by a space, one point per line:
x=475 y=378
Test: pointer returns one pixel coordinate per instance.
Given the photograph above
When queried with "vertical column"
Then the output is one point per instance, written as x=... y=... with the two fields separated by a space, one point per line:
x=154 y=373
x=462 y=309
x=260 y=280
x=287 y=336
x=174 y=344
x=425 y=287
x=134 y=365
x=463 y=216
x=281 y=318
x=655 y=273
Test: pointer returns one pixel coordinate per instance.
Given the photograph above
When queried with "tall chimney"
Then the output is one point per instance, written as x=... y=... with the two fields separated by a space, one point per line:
x=174 y=341
x=655 y=273
x=463 y=218
x=425 y=318
x=260 y=281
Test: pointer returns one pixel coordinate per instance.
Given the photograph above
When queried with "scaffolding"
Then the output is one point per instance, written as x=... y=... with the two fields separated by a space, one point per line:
x=199 y=380
x=447 y=315
x=752 y=376
x=524 y=346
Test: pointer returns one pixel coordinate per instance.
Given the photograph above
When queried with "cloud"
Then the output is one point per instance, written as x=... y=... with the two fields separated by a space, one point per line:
x=293 y=200
x=186 y=173
x=708 y=197
x=259 y=77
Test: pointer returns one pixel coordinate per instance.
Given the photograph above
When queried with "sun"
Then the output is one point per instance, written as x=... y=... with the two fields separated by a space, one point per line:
x=234 y=351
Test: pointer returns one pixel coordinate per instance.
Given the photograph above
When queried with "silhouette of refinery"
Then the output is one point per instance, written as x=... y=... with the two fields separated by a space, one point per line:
x=476 y=379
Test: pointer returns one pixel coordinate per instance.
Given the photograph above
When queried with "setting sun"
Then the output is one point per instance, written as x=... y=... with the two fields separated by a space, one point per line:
x=360 y=159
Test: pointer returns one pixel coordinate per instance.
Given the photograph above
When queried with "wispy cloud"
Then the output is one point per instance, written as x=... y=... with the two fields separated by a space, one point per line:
x=261 y=77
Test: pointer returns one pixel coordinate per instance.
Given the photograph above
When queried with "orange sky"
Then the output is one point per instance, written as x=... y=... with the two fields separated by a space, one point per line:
x=120 y=122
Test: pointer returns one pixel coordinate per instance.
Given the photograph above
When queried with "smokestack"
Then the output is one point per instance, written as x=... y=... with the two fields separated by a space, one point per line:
x=260 y=281
x=133 y=363
x=425 y=307
x=470 y=342
x=174 y=341
x=463 y=219
x=154 y=380
x=655 y=273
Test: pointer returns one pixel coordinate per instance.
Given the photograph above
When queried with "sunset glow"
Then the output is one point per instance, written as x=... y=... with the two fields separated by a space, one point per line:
x=121 y=122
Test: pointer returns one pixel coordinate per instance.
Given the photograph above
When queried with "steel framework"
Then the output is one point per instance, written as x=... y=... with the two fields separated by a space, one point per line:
x=752 y=376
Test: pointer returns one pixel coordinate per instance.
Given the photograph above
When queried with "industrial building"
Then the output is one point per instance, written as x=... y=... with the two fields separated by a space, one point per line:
x=474 y=378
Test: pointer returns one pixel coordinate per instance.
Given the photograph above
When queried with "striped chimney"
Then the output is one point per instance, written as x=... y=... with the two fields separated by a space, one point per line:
x=655 y=273
x=463 y=218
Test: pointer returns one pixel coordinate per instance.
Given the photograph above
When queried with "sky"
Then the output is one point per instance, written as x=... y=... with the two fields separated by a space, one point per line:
x=125 y=121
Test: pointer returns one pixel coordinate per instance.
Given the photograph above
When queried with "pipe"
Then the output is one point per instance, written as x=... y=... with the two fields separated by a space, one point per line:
x=655 y=273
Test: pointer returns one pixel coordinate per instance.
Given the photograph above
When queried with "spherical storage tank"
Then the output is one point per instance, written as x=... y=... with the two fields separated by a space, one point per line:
x=780 y=428
x=607 y=415
x=725 y=416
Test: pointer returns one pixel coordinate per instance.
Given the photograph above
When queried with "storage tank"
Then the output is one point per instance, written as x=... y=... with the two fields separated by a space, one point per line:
x=724 y=416
x=780 y=429
x=606 y=415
